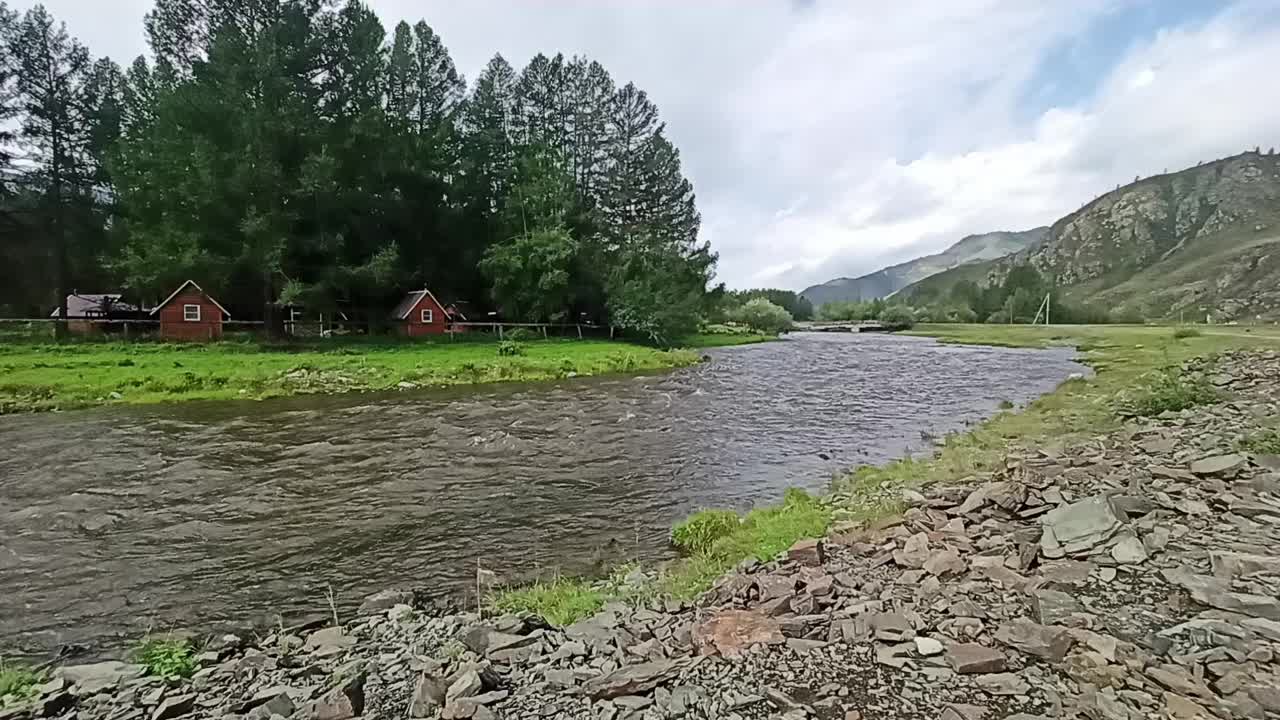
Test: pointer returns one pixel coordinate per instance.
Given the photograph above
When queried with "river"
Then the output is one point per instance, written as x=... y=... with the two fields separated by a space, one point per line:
x=118 y=520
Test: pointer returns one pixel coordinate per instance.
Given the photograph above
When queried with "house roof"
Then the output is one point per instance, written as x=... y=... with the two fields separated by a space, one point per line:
x=82 y=305
x=411 y=301
x=183 y=286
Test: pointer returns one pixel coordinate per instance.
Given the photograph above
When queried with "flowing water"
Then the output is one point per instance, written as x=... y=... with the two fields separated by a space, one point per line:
x=117 y=520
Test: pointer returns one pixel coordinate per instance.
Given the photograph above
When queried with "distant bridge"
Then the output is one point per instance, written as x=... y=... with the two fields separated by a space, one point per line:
x=851 y=327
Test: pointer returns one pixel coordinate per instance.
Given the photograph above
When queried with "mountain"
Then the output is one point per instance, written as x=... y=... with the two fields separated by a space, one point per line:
x=885 y=282
x=1205 y=240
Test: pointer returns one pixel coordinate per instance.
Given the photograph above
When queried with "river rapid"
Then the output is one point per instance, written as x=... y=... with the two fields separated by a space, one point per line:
x=119 y=520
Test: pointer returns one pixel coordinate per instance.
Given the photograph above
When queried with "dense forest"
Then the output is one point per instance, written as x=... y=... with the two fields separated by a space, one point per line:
x=295 y=152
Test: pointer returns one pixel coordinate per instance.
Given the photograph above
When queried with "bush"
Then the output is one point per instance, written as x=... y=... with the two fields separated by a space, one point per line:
x=763 y=316
x=897 y=317
x=700 y=531
x=169 y=658
x=1170 y=390
x=521 y=335
x=510 y=348
x=1183 y=333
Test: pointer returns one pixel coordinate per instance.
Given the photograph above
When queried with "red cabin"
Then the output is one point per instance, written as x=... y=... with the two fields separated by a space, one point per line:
x=420 y=313
x=190 y=314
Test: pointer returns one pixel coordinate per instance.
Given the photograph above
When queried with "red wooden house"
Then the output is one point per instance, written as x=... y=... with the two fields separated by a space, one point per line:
x=420 y=313
x=190 y=313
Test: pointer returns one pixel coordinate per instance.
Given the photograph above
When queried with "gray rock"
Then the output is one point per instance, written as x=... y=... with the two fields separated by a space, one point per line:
x=97 y=677
x=1216 y=592
x=428 y=696
x=1052 y=607
x=1044 y=641
x=174 y=706
x=467 y=685
x=344 y=702
x=633 y=679
x=928 y=646
x=1129 y=550
x=381 y=602
x=972 y=659
x=809 y=553
x=1077 y=527
x=330 y=637
x=1002 y=684
x=1219 y=465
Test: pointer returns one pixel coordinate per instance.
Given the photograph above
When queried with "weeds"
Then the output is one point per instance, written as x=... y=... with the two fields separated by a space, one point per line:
x=560 y=602
x=1169 y=390
x=1266 y=442
x=510 y=348
x=1183 y=333
x=699 y=531
x=169 y=658
x=17 y=681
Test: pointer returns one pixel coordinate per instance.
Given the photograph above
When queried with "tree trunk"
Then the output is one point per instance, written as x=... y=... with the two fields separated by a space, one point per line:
x=59 y=239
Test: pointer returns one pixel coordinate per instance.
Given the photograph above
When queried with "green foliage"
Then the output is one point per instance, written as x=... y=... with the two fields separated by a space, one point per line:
x=1265 y=442
x=795 y=304
x=510 y=348
x=699 y=531
x=169 y=658
x=851 y=311
x=1183 y=333
x=17 y=681
x=763 y=316
x=560 y=602
x=897 y=317
x=1167 y=390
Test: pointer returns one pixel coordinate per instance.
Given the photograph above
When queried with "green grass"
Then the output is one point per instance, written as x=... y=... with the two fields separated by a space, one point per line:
x=712 y=339
x=17 y=681
x=169 y=658
x=48 y=376
x=699 y=531
x=1165 y=390
x=762 y=534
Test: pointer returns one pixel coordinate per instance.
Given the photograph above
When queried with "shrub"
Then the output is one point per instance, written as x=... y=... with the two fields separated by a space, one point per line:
x=1185 y=332
x=521 y=335
x=510 y=348
x=699 y=531
x=897 y=317
x=169 y=658
x=763 y=316
x=1170 y=390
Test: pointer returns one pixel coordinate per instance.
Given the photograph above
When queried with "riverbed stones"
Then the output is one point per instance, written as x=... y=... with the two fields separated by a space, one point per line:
x=808 y=553
x=633 y=679
x=732 y=632
x=94 y=678
x=1077 y=527
x=1219 y=464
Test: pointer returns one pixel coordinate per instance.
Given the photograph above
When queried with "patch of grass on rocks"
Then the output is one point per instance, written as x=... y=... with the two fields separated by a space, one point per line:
x=168 y=657
x=1265 y=442
x=701 y=530
x=18 y=683
x=1168 y=390
x=561 y=602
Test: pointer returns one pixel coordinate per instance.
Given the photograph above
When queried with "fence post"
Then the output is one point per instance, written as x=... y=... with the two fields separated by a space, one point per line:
x=544 y=332
x=579 y=326
x=499 y=331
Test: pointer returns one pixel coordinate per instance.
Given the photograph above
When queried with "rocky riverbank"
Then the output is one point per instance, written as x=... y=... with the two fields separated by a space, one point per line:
x=1133 y=575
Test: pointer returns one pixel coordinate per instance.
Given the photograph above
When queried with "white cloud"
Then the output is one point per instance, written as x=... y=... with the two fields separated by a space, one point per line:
x=836 y=136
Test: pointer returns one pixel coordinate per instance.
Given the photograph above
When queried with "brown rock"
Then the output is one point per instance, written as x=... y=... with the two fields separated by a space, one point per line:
x=809 y=553
x=1172 y=677
x=974 y=659
x=731 y=632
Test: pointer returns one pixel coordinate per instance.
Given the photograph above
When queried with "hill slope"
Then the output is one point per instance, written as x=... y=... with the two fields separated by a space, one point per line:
x=881 y=283
x=1205 y=240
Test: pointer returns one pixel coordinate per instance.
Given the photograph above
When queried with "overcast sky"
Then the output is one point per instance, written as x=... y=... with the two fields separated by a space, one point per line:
x=833 y=137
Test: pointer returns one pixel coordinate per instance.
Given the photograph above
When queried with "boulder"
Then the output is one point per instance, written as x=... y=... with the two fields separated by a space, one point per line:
x=1219 y=464
x=809 y=553
x=174 y=706
x=1078 y=527
x=1043 y=641
x=428 y=696
x=732 y=632
x=97 y=677
x=344 y=702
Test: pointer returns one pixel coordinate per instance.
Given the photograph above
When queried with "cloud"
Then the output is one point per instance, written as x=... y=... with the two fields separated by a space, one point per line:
x=832 y=137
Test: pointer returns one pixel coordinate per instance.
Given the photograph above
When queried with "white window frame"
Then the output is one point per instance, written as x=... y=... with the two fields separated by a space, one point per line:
x=186 y=313
x=428 y=316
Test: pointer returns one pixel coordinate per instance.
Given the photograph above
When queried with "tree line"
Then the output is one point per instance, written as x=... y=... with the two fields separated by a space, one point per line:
x=293 y=152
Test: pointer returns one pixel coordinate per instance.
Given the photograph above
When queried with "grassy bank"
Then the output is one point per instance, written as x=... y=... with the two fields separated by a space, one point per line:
x=1132 y=366
x=47 y=376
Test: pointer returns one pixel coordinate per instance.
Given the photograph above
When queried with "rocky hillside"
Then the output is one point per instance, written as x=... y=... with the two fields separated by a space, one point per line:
x=885 y=282
x=1205 y=239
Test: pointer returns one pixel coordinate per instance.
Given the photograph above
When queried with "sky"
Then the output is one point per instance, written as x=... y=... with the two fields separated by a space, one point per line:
x=829 y=138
